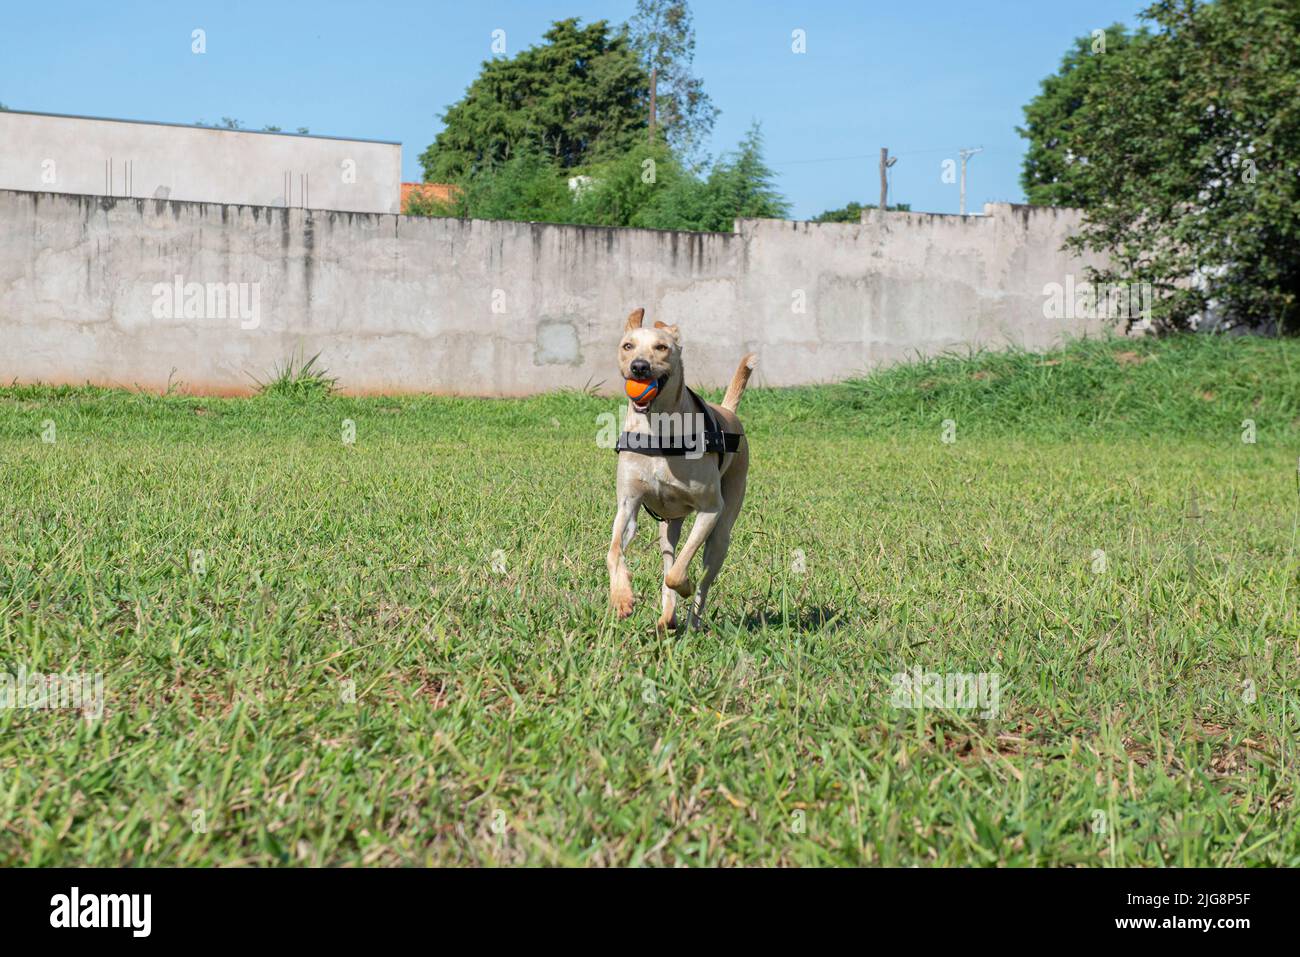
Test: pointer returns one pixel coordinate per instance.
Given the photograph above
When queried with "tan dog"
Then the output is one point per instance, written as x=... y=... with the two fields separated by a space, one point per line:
x=708 y=484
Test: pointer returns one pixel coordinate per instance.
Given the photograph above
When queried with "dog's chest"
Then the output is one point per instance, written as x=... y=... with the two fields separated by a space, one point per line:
x=673 y=494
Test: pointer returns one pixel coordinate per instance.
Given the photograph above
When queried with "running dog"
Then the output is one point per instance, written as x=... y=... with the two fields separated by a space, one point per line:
x=678 y=454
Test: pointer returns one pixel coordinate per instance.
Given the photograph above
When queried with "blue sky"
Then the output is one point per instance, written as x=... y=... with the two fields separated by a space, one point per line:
x=924 y=79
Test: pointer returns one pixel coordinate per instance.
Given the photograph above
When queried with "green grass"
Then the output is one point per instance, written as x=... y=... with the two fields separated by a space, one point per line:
x=505 y=717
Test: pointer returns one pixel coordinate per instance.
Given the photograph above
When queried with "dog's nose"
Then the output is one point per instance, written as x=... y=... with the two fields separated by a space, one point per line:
x=640 y=368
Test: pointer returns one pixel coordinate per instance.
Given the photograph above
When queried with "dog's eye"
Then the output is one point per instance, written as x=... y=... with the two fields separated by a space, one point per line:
x=661 y=347
x=627 y=346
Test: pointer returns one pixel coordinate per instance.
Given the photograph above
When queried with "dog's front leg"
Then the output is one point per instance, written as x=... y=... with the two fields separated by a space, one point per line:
x=669 y=533
x=620 y=579
x=677 y=579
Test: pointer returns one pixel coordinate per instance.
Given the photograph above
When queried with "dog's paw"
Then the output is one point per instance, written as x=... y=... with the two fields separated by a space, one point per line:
x=666 y=624
x=623 y=603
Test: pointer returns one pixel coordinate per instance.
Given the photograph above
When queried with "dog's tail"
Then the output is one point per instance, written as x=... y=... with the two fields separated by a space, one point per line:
x=738 y=382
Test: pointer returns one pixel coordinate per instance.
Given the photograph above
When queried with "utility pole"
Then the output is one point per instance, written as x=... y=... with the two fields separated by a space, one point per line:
x=965 y=155
x=654 y=85
x=885 y=163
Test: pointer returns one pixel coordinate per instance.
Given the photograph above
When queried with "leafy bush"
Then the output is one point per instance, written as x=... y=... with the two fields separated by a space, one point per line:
x=852 y=213
x=646 y=186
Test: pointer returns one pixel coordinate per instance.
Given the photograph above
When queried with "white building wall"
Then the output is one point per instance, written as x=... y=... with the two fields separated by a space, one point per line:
x=69 y=154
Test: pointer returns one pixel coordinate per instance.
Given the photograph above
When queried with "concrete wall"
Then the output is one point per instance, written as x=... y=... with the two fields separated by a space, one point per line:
x=72 y=154
x=88 y=293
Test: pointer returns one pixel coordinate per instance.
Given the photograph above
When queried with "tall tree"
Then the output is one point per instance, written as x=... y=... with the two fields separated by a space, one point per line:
x=1186 y=158
x=663 y=35
x=578 y=97
x=1050 y=174
x=749 y=185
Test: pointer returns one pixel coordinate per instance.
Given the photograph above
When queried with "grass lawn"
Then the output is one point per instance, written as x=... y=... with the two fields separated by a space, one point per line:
x=398 y=651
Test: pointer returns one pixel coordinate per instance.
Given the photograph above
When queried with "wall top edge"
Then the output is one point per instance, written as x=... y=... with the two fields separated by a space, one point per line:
x=195 y=126
x=742 y=226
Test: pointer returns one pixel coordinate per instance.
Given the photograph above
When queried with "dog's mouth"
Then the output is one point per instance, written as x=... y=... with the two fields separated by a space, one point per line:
x=643 y=407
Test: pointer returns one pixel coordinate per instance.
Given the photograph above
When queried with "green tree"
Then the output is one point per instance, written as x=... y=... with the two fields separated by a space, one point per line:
x=622 y=189
x=746 y=185
x=527 y=187
x=577 y=98
x=1188 y=162
x=739 y=186
x=646 y=186
x=663 y=35
x=1050 y=173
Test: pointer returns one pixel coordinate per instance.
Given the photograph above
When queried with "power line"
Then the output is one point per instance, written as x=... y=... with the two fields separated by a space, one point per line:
x=825 y=159
x=953 y=150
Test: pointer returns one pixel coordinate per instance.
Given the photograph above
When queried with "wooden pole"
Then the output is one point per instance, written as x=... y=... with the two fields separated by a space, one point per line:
x=965 y=155
x=884 y=180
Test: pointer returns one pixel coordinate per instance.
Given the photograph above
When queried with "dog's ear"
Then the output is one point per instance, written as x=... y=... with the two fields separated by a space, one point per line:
x=634 y=319
x=671 y=330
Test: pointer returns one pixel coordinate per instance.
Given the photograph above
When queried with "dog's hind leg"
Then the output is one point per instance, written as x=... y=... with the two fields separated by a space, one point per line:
x=669 y=533
x=620 y=578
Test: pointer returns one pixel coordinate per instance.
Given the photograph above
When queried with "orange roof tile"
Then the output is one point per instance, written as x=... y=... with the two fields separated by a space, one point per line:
x=439 y=192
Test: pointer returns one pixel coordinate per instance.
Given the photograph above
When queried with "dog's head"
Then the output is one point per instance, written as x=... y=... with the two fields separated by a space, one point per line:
x=649 y=353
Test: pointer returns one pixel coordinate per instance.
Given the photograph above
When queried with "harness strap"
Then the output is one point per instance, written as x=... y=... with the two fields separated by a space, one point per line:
x=713 y=439
x=647 y=444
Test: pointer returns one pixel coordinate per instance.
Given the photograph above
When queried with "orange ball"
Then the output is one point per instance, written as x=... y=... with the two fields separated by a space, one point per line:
x=641 y=391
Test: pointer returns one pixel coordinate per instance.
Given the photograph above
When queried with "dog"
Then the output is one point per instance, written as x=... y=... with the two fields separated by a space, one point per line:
x=671 y=486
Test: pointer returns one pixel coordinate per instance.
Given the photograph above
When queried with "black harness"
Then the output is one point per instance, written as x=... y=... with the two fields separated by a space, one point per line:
x=712 y=441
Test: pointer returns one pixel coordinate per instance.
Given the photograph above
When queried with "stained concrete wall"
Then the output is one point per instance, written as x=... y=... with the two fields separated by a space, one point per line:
x=88 y=293
x=126 y=158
